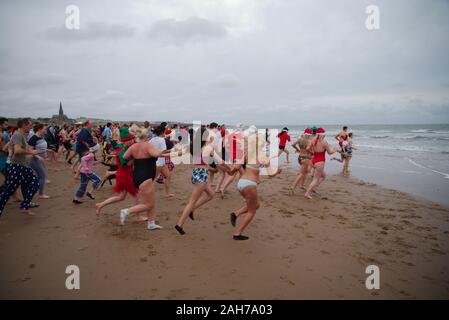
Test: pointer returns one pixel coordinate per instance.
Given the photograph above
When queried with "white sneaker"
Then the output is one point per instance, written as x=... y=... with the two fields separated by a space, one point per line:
x=153 y=226
x=123 y=214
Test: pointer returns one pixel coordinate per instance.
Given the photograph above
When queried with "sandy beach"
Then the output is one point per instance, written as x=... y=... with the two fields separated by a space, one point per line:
x=296 y=251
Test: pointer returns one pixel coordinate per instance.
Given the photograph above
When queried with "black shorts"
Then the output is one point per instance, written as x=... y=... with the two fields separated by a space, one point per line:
x=53 y=147
x=281 y=147
x=67 y=145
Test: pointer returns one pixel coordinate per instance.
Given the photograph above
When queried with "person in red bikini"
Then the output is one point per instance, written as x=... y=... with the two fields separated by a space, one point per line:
x=319 y=147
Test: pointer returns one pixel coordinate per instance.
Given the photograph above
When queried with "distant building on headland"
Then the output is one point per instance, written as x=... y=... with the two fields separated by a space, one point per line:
x=57 y=119
x=60 y=117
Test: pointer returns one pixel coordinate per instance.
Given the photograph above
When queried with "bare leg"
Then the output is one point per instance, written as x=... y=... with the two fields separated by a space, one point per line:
x=208 y=196
x=252 y=204
x=167 y=181
x=229 y=179
x=198 y=189
x=317 y=179
x=109 y=201
x=222 y=176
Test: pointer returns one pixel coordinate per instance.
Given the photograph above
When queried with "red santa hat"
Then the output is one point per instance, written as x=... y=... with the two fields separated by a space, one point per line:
x=320 y=132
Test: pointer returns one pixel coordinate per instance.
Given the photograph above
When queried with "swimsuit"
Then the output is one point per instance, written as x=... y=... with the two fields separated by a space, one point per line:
x=200 y=175
x=300 y=158
x=319 y=157
x=144 y=169
x=244 y=183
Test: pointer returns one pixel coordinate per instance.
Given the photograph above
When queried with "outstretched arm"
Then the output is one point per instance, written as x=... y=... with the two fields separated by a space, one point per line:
x=330 y=150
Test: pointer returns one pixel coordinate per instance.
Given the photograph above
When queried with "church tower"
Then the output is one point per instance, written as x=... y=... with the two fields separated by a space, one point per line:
x=61 y=112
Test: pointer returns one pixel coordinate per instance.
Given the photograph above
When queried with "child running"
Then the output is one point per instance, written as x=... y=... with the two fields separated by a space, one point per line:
x=88 y=161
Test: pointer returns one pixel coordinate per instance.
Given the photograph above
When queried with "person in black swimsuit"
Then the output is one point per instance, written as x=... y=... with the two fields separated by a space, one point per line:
x=144 y=169
x=144 y=155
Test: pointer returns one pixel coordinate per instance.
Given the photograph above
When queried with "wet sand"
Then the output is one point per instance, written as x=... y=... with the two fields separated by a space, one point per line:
x=298 y=248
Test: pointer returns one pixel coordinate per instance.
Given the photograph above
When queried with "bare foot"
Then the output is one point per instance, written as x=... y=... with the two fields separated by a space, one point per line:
x=222 y=193
x=308 y=196
x=44 y=196
x=99 y=207
x=141 y=219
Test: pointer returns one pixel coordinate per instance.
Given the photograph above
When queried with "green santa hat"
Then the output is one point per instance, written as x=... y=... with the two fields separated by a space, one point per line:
x=125 y=135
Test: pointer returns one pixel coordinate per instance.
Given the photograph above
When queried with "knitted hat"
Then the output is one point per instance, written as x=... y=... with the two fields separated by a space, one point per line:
x=125 y=135
x=313 y=129
x=285 y=129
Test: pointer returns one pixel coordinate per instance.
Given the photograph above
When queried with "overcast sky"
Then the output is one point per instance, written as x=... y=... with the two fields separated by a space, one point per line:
x=229 y=61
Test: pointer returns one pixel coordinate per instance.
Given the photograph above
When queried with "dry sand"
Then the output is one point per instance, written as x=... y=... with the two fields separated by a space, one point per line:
x=299 y=249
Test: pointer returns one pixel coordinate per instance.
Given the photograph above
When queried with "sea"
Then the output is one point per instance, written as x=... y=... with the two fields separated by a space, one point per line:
x=408 y=158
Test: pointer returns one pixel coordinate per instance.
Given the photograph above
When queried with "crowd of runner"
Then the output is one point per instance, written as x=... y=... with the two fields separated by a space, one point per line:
x=137 y=156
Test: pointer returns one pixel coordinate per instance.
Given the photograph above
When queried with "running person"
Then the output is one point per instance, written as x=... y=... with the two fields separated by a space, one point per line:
x=144 y=156
x=17 y=172
x=202 y=191
x=346 y=154
x=304 y=159
x=247 y=186
x=319 y=147
x=37 y=163
x=283 y=138
x=88 y=161
x=124 y=175
x=161 y=167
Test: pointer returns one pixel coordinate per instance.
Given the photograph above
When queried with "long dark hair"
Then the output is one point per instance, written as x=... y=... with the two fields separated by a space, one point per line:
x=198 y=136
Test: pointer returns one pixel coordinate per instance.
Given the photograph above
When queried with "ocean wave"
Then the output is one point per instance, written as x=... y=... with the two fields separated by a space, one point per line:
x=401 y=148
x=421 y=131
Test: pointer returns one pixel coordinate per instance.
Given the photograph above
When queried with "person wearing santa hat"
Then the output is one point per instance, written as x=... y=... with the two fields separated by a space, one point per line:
x=319 y=147
x=304 y=158
x=283 y=137
x=124 y=175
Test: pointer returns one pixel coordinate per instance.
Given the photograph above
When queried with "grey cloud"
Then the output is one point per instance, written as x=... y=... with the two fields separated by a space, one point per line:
x=93 y=31
x=31 y=80
x=182 y=31
x=226 y=81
